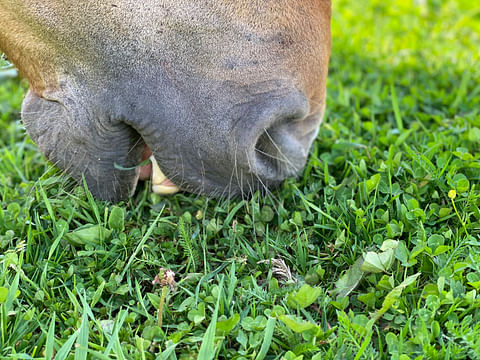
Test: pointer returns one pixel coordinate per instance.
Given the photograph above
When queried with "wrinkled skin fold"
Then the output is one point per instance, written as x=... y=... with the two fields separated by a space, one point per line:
x=227 y=94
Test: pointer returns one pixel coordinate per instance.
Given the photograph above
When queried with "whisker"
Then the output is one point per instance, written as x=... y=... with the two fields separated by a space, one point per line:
x=271 y=156
x=280 y=151
x=133 y=147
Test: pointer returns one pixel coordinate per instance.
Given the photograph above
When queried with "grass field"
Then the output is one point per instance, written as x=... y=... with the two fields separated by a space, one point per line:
x=373 y=254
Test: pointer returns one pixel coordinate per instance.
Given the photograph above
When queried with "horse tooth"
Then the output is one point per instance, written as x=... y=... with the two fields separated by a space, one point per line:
x=157 y=175
x=160 y=183
x=165 y=190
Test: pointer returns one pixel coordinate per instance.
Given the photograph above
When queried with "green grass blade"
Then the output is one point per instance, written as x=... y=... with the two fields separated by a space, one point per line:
x=232 y=284
x=48 y=205
x=141 y=243
x=140 y=300
x=396 y=108
x=19 y=356
x=98 y=355
x=365 y=343
x=73 y=299
x=314 y=207
x=82 y=349
x=462 y=90
x=12 y=292
x=169 y=351
x=82 y=344
x=267 y=339
x=64 y=351
x=233 y=212
x=118 y=348
x=92 y=202
x=50 y=343
x=98 y=294
x=114 y=341
x=207 y=349
x=55 y=243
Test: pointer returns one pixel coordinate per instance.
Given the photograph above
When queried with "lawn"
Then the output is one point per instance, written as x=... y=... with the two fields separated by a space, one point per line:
x=374 y=253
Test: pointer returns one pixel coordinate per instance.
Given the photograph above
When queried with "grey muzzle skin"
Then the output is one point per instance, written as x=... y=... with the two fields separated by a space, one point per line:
x=213 y=138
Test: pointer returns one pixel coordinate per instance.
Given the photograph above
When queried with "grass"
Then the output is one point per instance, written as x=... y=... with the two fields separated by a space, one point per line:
x=373 y=254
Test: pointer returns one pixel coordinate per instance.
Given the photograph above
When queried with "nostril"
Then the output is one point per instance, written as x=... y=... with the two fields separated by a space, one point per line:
x=282 y=149
x=278 y=154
